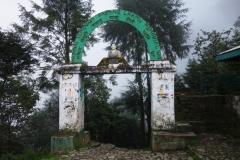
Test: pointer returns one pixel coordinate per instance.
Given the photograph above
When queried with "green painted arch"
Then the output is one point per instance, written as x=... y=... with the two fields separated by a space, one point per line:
x=116 y=15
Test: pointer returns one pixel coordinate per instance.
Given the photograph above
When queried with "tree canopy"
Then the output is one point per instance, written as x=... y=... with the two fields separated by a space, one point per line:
x=52 y=28
x=17 y=91
x=54 y=32
x=207 y=46
x=15 y=55
x=166 y=17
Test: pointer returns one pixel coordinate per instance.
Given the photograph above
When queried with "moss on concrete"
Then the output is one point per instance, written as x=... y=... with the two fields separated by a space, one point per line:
x=105 y=61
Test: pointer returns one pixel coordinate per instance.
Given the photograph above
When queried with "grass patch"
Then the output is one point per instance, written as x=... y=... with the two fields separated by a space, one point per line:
x=148 y=149
x=83 y=146
x=232 y=137
x=193 y=142
x=193 y=155
x=229 y=136
x=31 y=154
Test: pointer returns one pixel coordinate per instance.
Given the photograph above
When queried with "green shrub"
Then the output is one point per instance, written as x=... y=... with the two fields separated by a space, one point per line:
x=31 y=154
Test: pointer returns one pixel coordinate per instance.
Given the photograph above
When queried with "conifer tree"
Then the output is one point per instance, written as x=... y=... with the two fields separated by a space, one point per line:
x=167 y=18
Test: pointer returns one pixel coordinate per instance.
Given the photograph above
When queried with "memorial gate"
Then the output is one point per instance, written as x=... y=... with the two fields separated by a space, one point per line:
x=71 y=86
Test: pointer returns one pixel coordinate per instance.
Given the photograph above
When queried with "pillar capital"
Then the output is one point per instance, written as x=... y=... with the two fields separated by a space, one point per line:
x=163 y=65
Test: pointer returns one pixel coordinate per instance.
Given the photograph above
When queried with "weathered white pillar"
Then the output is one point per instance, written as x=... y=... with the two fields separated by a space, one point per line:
x=162 y=98
x=71 y=102
x=71 y=110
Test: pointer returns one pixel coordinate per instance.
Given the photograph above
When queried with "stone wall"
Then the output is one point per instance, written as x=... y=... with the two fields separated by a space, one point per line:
x=214 y=111
x=236 y=104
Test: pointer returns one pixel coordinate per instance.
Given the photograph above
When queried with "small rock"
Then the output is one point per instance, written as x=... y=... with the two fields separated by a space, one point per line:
x=128 y=157
x=201 y=150
x=111 y=157
x=211 y=138
x=107 y=147
x=65 y=157
x=95 y=144
x=190 y=158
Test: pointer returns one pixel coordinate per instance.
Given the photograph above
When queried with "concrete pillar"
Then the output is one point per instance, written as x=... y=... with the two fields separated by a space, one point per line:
x=162 y=98
x=165 y=135
x=71 y=110
x=71 y=103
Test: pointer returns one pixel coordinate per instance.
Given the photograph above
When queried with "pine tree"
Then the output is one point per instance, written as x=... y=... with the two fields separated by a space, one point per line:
x=166 y=17
x=52 y=28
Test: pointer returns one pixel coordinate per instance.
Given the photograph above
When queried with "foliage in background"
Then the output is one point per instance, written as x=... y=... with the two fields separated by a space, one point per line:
x=135 y=102
x=237 y=23
x=207 y=46
x=43 y=124
x=29 y=153
x=130 y=98
x=191 y=77
x=15 y=55
x=51 y=29
x=103 y=118
x=53 y=33
x=179 y=85
x=33 y=138
x=21 y=124
x=17 y=91
x=167 y=19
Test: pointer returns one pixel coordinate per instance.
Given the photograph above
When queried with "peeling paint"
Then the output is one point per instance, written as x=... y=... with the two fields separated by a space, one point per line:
x=162 y=84
x=67 y=76
x=69 y=105
x=81 y=90
x=70 y=108
x=68 y=85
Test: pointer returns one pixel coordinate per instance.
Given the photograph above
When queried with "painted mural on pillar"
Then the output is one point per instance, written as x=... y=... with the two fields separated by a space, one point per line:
x=81 y=91
x=71 y=102
x=69 y=88
x=70 y=94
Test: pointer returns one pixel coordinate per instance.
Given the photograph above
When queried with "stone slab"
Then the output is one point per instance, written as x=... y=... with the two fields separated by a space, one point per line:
x=170 y=140
x=174 y=134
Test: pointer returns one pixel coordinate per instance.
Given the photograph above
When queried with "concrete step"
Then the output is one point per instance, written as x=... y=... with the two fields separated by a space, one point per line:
x=183 y=127
x=198 y=126
x=162 y=140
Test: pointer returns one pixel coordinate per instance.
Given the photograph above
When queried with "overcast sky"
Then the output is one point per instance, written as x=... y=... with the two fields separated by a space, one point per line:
x=205 y=14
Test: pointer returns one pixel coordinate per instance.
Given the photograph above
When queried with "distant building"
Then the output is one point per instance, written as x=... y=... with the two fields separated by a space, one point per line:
x=231 y=55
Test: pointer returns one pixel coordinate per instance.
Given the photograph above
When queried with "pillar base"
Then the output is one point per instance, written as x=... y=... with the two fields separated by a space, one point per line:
x=162 y=140
x=69 y=141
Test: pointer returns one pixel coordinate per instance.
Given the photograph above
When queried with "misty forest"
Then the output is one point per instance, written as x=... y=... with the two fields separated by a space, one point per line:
x=45 y=43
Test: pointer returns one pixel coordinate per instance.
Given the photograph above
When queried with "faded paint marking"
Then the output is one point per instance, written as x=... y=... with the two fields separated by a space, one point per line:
x=68 y=85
